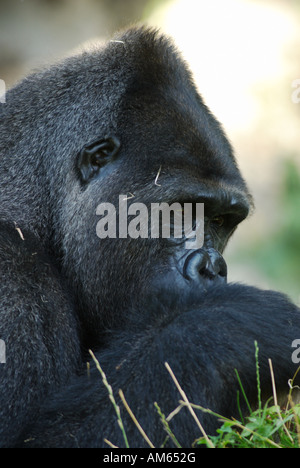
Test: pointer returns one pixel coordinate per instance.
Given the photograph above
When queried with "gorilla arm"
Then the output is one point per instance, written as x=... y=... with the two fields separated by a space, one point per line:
x=203 y=338
x=35 y=315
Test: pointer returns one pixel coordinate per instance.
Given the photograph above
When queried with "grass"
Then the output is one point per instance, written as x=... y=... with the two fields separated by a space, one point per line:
x=268 y=426
x=113 y=401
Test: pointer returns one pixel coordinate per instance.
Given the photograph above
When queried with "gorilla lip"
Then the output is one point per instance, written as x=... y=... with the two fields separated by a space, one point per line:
x=184 y=225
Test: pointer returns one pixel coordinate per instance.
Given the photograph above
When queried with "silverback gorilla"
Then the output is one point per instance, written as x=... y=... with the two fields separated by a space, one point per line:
x=122 y=119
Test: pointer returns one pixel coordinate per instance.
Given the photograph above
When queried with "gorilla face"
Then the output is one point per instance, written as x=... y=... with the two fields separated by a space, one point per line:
x=162 y=146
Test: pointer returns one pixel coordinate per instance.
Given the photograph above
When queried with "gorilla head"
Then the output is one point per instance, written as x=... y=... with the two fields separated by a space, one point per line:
x=144 y=119
x=129 y=113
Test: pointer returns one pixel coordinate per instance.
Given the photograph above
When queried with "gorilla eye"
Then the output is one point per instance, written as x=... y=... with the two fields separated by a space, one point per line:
x=218 y=221
x=95 y=156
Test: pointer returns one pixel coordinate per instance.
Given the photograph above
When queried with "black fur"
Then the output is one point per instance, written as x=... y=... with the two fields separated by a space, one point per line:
x=38 y=326
x=122 y=119
x=203 y=339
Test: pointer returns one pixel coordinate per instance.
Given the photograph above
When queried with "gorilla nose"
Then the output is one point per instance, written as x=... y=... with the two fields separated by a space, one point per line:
x=205 y=263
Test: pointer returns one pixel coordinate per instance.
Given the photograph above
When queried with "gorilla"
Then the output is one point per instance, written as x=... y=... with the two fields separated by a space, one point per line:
x=124 y=118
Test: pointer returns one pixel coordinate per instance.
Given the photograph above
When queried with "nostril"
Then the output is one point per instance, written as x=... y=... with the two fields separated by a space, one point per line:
x=205 y=263
x=218 y=263
x=194 y=264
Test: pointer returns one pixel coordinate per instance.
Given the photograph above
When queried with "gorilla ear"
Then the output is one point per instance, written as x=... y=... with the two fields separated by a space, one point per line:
x=95 y=156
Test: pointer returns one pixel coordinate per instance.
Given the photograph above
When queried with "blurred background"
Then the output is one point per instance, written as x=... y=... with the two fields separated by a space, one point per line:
x=245 y=57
